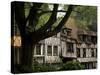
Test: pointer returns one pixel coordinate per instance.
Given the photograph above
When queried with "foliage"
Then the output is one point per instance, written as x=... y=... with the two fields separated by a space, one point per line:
x=85 y=16
x=39 y=67
x=44 y=68
x=43 y=19
x=72 y=65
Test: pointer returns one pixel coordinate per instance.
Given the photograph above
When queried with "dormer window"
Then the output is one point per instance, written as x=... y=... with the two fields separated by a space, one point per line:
x=68 y=33
x=64 y=31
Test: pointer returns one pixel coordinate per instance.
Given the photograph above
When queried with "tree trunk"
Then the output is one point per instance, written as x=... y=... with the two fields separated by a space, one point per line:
x=27 y=54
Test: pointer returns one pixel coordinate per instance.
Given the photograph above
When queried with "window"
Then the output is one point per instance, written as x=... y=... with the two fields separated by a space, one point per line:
x=84 y=38
x=89 y=38
x=55 y=35
x=78 y=52
x=70 y=47
x=94 y=39
x=84 y=52
x=64 y=31
x=38 y=49
x=43 y=49
x=92 y=52
x=16 y=41
x=68 y=33
x=96 y=53
x=55 y=50
x=80 y=37
x=49 y=50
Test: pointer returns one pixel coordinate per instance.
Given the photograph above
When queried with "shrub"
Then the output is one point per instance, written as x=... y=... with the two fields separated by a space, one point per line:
x=44 y=68
x=72 y=65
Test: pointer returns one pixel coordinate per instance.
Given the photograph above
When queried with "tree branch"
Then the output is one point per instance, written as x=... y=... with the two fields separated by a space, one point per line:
x=46 y=34
x=51 y=20
x=33 y=15
x=64 y=20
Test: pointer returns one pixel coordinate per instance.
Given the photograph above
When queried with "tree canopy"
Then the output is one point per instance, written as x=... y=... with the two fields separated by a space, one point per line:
x=86 y=17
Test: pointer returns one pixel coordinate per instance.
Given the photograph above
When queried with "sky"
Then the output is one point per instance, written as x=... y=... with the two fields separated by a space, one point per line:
x=59 y=14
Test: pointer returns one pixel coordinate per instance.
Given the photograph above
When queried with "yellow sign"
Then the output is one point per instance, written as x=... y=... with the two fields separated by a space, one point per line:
x=16 y=41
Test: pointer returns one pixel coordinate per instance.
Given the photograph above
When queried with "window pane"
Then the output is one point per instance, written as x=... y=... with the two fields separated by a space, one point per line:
x=68 y=33
x=55 y=50
x=84 y=52
x=49 y=51
x=70 y=47
x=43 y=48
x=78 y=52
x=96 y=53
x=38 y=49
x=92 y=52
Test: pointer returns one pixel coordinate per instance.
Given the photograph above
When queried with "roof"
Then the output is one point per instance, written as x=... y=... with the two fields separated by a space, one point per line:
x=86 y=32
